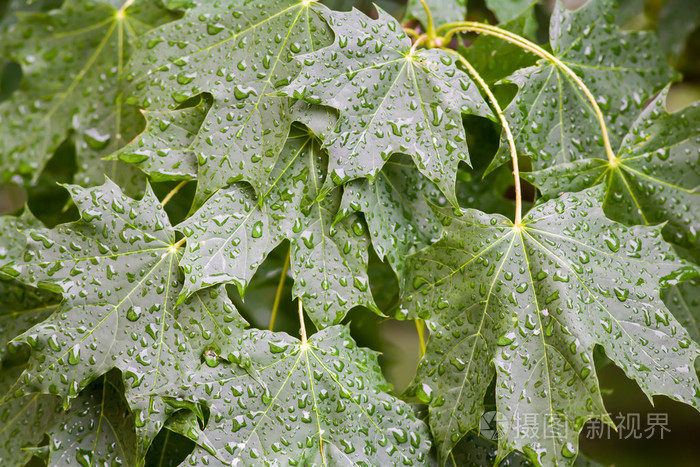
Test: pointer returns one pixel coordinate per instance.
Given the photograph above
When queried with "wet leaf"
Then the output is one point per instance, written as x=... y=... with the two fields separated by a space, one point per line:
x=230 y=236
x=163 y=150
x=211 y=50
x=73 y=66
x=24 y=421
x=320 y=403
x=97 y=429
x=390 y=99
x=399 y=198
x=117 y=271
x=527 y=305
x=551 y=119
x=655 y=177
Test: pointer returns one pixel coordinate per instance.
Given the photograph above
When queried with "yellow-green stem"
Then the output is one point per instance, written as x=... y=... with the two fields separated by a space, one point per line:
x=470 y=26
x=180 y=242
x=506 y=129
x=411 y=32
x=301 y=323
x=278 y=295
x=430 y=27
x=173 y=192
x=420 y=324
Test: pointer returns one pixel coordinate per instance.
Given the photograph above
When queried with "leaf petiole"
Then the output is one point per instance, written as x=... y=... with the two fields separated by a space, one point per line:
x=506 y=128
x=278 y=295
x=301 y=323
x=471 y=26
x=173 y=192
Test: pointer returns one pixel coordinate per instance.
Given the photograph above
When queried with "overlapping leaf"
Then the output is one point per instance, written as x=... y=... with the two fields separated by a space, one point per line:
x=73 y=65
x=98 y=429
x=117 y=270
x=655 y=177
x=683 y=299
x=551 y=119
x=397 y=208
x=322 y=403
x=23 y=424
x=239 y=52
x=533 y=301
x=21 y=306
x=233 y=232
x=163 y=150
x=390 y=98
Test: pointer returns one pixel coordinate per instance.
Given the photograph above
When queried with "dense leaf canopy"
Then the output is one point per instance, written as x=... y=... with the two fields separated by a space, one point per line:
x=252 y=194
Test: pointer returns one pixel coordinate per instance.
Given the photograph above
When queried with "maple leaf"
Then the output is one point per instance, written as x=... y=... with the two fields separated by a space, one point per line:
x=683 y=299
x=529 y=304
x=321 y=402
x=73 y=66
x=162 y=150
x=390 y=99
x=399 y=198
x=117 y=270
x=232 y=233
x=24 y=422
x=654 y=178
x=98 y=429
x=239 y=52
x=551 y=118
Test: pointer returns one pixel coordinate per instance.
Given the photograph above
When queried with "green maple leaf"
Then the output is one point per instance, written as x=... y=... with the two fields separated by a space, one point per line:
x=397 y=208
x=529 y=304
x=163 y=151
x=98 y=429
x=213 y=326
x=21 y=306
x=321 y=402
x=73 y=66
x=230 y=236
x=239 y=52
x=655 y=177
x=551 y=119
x=117 y=270
x=390 y=99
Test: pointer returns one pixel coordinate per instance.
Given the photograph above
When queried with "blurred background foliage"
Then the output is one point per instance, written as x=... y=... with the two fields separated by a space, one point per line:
x=677 y=24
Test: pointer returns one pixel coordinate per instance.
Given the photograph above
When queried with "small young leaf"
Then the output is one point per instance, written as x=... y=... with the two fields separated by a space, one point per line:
x=401 y=196
x=163 y=150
